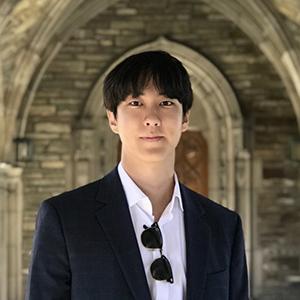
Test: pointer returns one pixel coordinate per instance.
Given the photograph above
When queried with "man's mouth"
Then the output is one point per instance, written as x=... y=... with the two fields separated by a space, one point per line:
x=152 y=138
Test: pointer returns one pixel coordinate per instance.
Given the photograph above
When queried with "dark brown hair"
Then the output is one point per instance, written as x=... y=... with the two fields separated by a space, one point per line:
x=132 y=76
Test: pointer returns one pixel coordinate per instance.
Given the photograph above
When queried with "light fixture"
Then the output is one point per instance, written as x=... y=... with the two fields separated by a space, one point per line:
x=23 y=149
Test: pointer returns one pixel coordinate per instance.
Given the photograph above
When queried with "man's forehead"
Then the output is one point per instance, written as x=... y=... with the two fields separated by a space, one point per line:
x=159 y=93
x=145 y=94
x=152 y=87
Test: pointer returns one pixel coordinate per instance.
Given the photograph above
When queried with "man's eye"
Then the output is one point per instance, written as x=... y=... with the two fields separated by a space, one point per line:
x=135 y=103
x=166 y=103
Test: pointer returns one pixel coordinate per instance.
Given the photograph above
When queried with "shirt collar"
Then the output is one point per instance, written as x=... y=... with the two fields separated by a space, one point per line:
x=134 y=194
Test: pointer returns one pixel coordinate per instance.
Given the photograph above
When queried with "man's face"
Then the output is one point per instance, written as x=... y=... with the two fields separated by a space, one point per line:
x=149 y=126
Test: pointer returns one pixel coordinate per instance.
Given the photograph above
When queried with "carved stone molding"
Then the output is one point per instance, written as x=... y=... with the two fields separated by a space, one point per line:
x=11 y=206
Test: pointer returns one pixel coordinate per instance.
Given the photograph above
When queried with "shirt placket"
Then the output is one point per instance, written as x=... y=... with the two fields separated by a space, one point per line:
x=162 y=287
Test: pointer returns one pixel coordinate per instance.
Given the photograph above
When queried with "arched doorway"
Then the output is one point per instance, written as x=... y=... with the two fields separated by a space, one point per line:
x=191 y=163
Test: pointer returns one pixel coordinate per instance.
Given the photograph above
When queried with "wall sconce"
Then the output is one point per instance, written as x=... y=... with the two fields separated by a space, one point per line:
x=295 y=149
x=23 y=149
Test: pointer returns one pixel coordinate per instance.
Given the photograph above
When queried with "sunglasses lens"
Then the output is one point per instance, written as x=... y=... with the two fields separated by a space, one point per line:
x=151 y=238
x=161 y=269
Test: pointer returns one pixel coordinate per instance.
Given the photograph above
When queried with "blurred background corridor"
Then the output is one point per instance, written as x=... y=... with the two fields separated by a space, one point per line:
x=243 y=146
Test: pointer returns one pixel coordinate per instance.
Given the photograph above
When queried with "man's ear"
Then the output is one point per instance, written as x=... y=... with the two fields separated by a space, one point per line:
x=112 y=121
x=185 y=121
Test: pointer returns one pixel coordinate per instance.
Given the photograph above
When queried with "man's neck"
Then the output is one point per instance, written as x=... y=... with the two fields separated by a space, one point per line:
x=156 y=180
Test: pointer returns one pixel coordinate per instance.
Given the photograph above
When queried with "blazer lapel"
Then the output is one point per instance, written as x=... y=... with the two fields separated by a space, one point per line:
x=113 y=215
x=198 y=235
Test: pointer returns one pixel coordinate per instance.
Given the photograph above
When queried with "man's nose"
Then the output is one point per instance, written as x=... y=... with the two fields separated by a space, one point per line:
x=152 y=119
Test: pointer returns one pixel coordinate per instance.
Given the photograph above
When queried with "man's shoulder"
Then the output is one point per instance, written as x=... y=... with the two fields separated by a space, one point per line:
x=218 y=217
x=209 y=207
x=82 y=195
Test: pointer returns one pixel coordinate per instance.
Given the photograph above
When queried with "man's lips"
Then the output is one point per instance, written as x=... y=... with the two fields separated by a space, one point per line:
x=152 y=138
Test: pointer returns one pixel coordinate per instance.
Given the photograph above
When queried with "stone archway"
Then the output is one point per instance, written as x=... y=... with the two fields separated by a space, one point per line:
x=264 y=28
x=57 y=22
x=254 y=17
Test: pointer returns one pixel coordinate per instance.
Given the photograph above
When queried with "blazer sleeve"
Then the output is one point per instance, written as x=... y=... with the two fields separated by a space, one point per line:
x=238 y=288
x=49 y=272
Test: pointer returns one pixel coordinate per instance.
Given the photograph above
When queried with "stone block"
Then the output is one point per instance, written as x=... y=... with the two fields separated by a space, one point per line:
x=181 y=26
x=148 y=6
x=42 y=110
x=82 y=84
x=127 y=40
x=59 y=147
x=92 y=71
x=46 y=94
x=63 y=100
x=158 y=27
x=79 y=33
x=54 y=127
x=42 y=157
x=126 y=11
x=40 y=101
x=85 y=42
x=53 y=165
x=28 y=226
x=127 y=24
x=73 y=66
x=92 y=57
x=72 y=48
x=54 y=182
x=42 y=136
x=75 y=94
x=67 y=113
x=183 y=17
x=109 y=31
x=106 y=42
x=64 y=56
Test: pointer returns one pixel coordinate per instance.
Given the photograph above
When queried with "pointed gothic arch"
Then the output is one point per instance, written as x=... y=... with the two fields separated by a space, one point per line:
x=253 y=17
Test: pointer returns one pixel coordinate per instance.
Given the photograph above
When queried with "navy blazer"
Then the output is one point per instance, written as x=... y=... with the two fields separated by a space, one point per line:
x=85 y=248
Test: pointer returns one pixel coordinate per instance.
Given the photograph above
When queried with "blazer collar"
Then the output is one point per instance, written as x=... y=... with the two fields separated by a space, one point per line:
x=113 y=216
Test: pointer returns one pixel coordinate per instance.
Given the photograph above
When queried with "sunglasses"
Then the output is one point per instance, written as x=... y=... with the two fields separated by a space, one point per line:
x=161 y=267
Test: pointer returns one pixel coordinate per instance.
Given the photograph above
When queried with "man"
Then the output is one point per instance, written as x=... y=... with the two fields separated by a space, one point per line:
x=138 y=233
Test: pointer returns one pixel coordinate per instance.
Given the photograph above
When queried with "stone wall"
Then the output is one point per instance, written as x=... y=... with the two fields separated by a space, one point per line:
x=269 y=118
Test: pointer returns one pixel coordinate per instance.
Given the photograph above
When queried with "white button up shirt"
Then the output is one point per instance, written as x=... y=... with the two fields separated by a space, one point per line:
x=171 y=224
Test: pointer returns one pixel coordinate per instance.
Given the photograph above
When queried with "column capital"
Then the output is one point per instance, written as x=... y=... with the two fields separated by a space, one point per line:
x=10 y=170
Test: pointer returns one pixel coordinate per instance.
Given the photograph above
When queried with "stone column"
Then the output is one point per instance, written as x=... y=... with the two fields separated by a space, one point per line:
x=11 y=206
x=244 y=200
x=84 y=156
x=95 y=150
